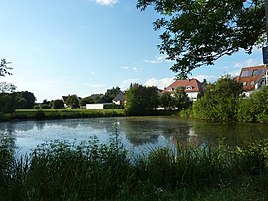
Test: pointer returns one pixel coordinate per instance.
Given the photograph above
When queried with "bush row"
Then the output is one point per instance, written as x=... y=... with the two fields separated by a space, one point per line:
x=65 y=113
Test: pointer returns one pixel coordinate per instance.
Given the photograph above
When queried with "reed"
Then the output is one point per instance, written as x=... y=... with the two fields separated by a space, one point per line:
x=90 y=170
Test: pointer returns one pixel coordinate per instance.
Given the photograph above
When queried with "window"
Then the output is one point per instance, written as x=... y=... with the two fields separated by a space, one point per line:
x=255 y=72
x=246 y=73
x=189 y=88
x=244 y=83
x=252 y=83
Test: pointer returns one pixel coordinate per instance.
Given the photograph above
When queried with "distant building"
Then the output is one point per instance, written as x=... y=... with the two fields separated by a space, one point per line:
x=192 y=88
x=120 y=99
x=252 y=78
x=98 y=106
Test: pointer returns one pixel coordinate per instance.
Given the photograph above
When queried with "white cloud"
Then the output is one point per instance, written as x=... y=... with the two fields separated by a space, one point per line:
x=125 y=67
x=248 y=63
x=209 y=78
x=106 y=2
x=126 y=83
x=235 y=73
x=135 y=69
x=161 y=84
x=157 y=60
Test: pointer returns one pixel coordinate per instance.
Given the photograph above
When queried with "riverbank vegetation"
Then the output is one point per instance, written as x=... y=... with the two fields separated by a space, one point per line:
x=224 y=101
x=94 y=171
x=63 y=113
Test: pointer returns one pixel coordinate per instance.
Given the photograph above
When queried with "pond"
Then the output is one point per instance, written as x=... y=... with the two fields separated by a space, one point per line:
x=138 y=134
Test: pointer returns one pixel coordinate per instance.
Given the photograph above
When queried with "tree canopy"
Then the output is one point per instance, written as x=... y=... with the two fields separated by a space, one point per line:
x=220 y=101
x=198 y=32
x=141 y=100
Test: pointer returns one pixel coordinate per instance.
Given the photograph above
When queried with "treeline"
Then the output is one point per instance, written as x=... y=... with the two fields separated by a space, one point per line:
x=224 y=101
x=142 y=100
x=16 y=100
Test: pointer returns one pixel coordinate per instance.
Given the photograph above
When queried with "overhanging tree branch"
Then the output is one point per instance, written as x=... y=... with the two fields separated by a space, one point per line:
x=198 y=32
x=4 y=68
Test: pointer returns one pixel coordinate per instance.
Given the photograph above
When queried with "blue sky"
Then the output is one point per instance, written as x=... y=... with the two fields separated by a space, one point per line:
x=61 y=47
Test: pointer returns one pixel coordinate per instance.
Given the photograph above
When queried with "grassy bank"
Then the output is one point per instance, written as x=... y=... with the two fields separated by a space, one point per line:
x=94 y=171
x=63 y=113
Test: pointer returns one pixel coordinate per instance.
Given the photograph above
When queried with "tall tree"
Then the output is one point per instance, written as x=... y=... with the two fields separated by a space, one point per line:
x=25 y=100
x=141 y=100
x=73 y=101
x=198 y=32
x=220 y=101
x=110 y=95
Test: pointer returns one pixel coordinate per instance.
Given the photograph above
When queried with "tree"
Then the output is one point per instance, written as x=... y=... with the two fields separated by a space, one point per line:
x=178 y=100
x=110 y=95
x=25 y=100
x=141 y=100
x=199 y=32
x=86 y=100
x=167 y=101
x=220 y=101
x=4 y=68
x=254 y=108
x=7 y=103
x=181 y=99
x=58 y=104
x=73 y=101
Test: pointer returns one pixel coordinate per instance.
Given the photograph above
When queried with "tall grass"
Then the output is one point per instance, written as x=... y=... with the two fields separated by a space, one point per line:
x=94 y=171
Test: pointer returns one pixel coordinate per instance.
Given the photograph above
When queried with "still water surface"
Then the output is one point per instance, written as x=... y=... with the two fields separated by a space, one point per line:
x=139 y=134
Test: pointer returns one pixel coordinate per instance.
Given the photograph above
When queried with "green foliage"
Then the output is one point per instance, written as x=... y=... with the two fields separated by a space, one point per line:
x=253 y=159
x=72 y=101
x=110 y=95
x=166 y=101
x=65 y=113
x=58 y=104
x=89 y=170
x=7 y=103
x=178 y=100
x=141 y=100
x=25 y=100
x=220 y=101
x=181 y=100
x=86 y=100
x=199 y=32
x=45 y=106
x=254 y=108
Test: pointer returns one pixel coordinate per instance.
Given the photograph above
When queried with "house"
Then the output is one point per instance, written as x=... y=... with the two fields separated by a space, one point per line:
x=192 y=88
x=65 y=99
x=252 y=78
x=120 y=99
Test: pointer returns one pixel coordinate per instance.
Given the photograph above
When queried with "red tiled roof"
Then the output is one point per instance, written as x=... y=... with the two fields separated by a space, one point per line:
x=191 y=85
x=250 y=76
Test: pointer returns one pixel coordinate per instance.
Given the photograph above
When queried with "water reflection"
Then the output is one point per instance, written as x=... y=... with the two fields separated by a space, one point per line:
x=136 y=132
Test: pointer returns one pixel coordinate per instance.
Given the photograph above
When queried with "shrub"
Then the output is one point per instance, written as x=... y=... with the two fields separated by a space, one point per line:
x=58 y=104
x=45 y=106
